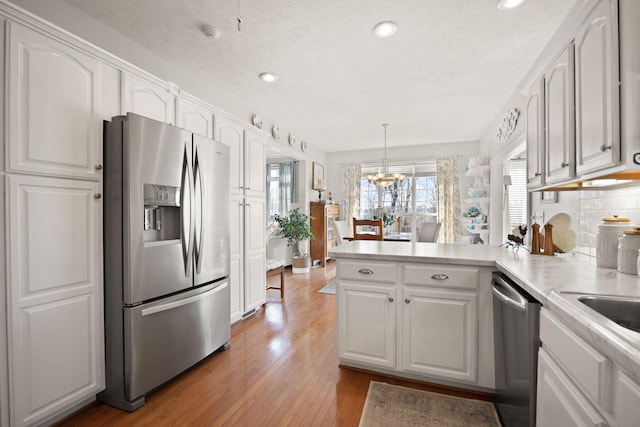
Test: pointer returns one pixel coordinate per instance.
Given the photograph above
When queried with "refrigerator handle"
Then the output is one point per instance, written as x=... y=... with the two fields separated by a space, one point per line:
x=186 y=213
x=199 y=213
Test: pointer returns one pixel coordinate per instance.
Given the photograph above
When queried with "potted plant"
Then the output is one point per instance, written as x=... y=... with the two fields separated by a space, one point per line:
x=296 y=227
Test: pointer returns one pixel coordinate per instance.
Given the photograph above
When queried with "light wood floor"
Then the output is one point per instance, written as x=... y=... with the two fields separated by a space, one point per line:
x=281 y=370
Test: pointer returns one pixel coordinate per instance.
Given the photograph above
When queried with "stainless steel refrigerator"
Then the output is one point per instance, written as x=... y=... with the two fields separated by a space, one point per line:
x=166 y=251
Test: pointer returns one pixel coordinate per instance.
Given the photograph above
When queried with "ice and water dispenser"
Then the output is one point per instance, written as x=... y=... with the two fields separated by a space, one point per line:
x=161 y=213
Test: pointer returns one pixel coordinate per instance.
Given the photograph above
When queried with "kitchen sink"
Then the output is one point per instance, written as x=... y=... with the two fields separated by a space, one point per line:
x=624 y=311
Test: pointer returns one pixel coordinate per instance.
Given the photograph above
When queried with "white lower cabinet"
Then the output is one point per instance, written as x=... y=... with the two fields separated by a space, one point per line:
x=414 y=319
x=578 y=385
x=439 y=333
x=56 y=348
x=559 y=403
x=367 y=313
x=255 y=287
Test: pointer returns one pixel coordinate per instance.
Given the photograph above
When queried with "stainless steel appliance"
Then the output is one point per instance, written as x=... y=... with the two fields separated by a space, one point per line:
x=516 y=316
x=166 y=254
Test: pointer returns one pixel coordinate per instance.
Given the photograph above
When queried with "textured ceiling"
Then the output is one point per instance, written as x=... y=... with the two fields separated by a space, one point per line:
x=443 y=77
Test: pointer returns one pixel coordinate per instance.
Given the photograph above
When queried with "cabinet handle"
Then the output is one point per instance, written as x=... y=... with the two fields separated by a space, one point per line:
x=97 y=196
x=98 y=167
x=564 y=164
x=537 y=174
x=440 y=276
x=407 y=300
x=390 y=299
x=604 y=148
x=365 y=271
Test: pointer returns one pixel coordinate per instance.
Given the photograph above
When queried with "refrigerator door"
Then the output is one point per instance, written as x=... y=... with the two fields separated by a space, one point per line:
x=165 y=337
x=157 y=160
x=211 y=183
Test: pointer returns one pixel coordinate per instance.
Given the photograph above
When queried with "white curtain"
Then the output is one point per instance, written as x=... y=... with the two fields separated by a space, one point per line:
x=448 y=199
x=286 y=186
x=350 y=192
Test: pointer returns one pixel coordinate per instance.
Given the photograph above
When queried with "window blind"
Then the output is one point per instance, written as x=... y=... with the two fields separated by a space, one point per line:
x=517 y=169
x=423 y=168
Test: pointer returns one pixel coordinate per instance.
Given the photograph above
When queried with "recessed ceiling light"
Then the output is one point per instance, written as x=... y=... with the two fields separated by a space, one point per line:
x=385 y=29
x=268 y=77
x=509 y=4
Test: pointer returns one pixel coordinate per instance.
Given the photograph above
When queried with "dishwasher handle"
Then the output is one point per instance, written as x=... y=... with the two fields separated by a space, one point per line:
x=509 y=295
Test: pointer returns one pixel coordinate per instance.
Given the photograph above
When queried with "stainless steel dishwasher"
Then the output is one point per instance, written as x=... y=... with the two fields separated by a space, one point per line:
x=516 y=319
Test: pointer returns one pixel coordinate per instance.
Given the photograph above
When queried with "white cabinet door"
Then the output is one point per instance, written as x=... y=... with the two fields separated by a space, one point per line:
x=559 y=403
x=535 y=135
x=255 y=164
x=255 y=253
x=626 y=409
x=55 y=308
x=439 y=336
x=559 y=119
x=54 y=127
x=367 y=324
x=152 y=99
x=236 y=256
x=231 y=134
x=194 y=118
x=596 y=90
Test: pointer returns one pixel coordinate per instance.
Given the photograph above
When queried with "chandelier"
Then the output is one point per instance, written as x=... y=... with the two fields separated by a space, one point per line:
x=383 y=178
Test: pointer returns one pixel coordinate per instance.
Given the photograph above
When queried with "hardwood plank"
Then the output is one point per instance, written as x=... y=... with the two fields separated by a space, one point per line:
x=281 y=370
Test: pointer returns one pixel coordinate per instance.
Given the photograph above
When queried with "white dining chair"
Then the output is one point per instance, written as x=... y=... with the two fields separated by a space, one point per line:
x=429 y=232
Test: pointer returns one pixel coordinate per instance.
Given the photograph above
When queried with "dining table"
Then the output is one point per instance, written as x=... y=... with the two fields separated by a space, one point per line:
x=391 y=237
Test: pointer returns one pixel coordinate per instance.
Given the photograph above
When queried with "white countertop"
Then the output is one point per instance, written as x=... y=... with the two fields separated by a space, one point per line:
x=544 y=277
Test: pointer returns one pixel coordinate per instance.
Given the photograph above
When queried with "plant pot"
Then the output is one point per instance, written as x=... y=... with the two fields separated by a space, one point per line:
x=300 y=265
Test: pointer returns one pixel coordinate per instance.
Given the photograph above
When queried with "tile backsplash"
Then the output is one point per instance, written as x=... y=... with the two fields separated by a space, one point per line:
x=597 y=204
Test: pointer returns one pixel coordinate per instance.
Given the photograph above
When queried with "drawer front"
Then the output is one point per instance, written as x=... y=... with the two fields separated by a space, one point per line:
x=376 y=272
x=441 y=276
x=591 y=371
x=333 y=210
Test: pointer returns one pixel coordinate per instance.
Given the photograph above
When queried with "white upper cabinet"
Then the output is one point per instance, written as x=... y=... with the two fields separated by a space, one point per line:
x=596 y=90
x=194 y=118
x=535 y=135
x=231 y=133
x=53 y=121
x=255 y=157
x=559 y=143
x=152 y=99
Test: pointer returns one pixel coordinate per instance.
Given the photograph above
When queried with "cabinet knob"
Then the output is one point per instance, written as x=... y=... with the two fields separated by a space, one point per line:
x=440 y=276
x=537 y=174
x=99 y=167
x=604 y=148
x=97 y=196
x=365 y=271
x=407 y=300
x=564 y=164
x=390 y=299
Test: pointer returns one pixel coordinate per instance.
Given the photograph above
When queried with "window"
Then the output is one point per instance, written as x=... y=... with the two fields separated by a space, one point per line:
x=411 y=202
x=517 y=209
x=281 y=188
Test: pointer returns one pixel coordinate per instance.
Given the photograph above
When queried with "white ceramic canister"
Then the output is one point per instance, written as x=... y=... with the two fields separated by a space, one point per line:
x=607 y=237
x=628 y=246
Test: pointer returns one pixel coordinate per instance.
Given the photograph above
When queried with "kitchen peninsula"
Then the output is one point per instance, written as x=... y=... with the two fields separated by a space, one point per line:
x=424 y=311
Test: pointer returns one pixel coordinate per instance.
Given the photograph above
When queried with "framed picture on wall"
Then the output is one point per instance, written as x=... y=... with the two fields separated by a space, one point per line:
x=548 y=197
x=317 y=180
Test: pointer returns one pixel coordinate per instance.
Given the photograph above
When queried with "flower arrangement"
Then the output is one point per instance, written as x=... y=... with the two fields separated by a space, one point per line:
x=471 y=212
x=388 y=219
